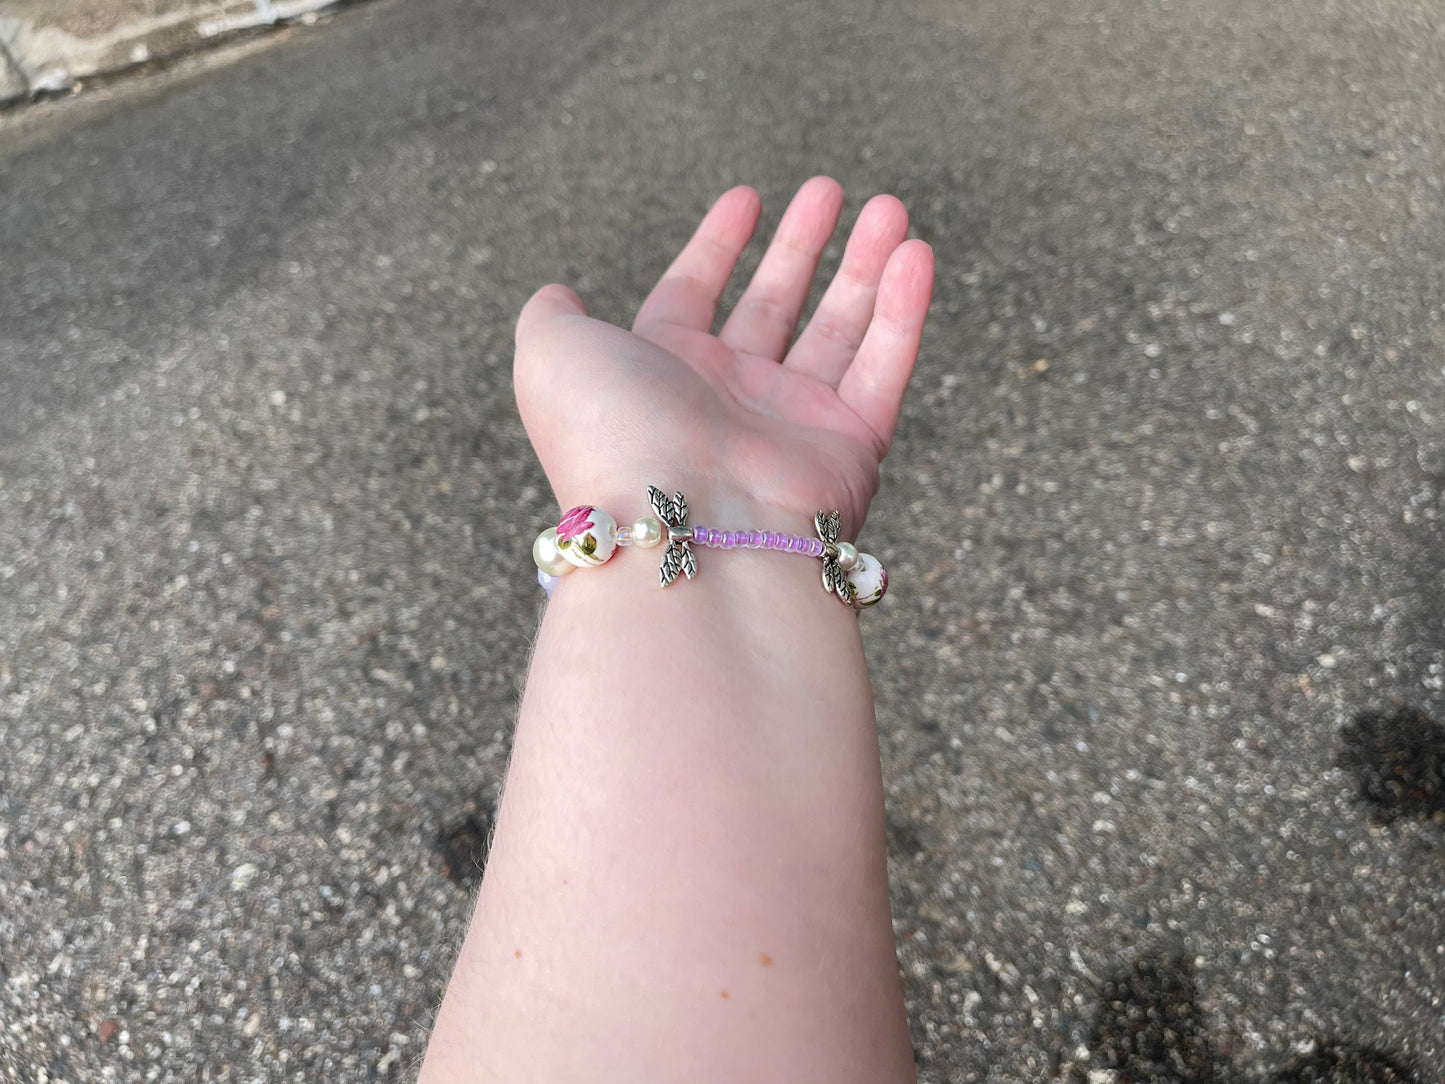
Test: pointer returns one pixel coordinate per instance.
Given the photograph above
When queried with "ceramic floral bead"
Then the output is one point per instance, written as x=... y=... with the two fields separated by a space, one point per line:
x=587 y=536
x=869 y=579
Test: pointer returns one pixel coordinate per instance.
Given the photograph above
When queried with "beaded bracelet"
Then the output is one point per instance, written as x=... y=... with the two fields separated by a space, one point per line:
x=588 y=536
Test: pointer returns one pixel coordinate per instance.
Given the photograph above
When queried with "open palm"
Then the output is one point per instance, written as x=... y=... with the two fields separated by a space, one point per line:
x=741 y=413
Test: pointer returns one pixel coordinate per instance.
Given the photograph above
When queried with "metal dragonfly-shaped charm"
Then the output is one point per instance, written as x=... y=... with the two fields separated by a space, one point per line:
x=677 y=555
x=835 y=580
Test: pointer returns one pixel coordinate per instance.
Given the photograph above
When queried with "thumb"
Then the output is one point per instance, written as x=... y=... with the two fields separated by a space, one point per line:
x=541 y=318
x=546 y=305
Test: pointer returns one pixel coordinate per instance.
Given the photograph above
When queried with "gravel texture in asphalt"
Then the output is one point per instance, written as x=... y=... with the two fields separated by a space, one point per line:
x=1161 y=679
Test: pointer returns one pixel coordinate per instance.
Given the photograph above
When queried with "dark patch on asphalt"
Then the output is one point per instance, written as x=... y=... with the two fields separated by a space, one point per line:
x=903 y=840
x=1343 y=1063
x=1150 y=1027
x=463 y=846
x=1398 y=761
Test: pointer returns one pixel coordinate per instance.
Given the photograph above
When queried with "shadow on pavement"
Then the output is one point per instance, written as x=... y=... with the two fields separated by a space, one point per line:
x=1397 y=759
x=1150 y=1028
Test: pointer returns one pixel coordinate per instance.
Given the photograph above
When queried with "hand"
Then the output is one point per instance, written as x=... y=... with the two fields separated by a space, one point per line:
x=740 y=421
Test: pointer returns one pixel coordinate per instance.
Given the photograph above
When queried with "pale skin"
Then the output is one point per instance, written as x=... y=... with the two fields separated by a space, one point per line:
x=688 y=880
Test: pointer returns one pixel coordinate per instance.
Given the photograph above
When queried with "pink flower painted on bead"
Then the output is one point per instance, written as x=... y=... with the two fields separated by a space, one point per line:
x=575 y=522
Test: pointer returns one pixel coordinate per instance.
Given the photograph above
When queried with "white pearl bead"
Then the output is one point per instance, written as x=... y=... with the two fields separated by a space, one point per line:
x=869 y=579
x=546 y=555
x=847 y=555
x=587 y=536
x=647 y=532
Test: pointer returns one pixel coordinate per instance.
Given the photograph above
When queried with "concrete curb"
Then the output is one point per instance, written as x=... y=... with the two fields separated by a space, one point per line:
x=50 y=47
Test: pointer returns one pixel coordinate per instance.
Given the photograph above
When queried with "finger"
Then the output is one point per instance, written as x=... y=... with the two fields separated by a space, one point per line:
x=833 y=335
x=873 y=385
x=763 y=322
x=688 y=292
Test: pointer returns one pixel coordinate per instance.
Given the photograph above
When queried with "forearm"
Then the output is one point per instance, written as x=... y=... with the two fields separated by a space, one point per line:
x=688 y=880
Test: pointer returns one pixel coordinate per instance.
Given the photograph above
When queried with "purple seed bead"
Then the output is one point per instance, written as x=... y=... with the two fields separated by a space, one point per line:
x=732 y=540
x=702 y=536
x=755 y=539
x=796 y=544
x=815 y=547
x=770 y=540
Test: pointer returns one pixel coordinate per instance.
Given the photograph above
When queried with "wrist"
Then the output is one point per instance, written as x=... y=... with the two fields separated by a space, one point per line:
x=714 y=500
x=592 y=533
x=749 y=590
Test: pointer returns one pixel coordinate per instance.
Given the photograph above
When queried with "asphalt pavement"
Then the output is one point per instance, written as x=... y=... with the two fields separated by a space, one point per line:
x=1162 y=672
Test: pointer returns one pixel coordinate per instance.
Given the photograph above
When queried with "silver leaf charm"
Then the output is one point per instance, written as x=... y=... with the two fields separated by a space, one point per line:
x=835 y=580
x=677 y=555
x=824 y=524
x=672 y=564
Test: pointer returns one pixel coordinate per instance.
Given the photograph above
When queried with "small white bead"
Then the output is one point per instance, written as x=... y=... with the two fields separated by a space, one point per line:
x=847 y=555
x=547 y=557
x=647 y=532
